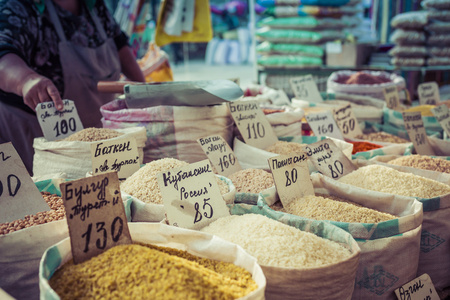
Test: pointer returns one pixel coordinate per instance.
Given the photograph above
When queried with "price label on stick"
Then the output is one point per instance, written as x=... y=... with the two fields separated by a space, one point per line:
x=305 y=88
x=220 y=155
x=428 y=93
x=347 y=122
x=323 y=124
x=252 y=124
x=119 y=154
x=291 y=176
x=416 y=132
x=19 y=196
x=442 y=115
x=95 y=214
x=191 y=195
x=392 y=98
x=329 y=159
x=420 y=288
x=56 y=124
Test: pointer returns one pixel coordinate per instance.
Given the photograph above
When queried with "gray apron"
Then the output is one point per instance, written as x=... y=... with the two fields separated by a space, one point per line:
x=83 y=67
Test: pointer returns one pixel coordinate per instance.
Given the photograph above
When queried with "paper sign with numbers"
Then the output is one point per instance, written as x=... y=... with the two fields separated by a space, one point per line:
x=120 y=154
x=392 y=98
x=323 y=124
x=347 y=122
x=95 y=214
x=442 y=115
x=291 y=176
x=305 y=88
x=19 y=196
x=252 y=124
x=58 y=124
x=220 y=155
x=329 y=159
x=416 y=132
x=421 y=288
x=428 y=93
x=191 y=195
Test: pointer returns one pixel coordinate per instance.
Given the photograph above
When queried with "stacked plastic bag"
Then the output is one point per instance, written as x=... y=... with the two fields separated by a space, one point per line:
x=438 y=32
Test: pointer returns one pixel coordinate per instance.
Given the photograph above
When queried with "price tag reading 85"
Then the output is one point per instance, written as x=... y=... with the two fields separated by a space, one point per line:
x=55 y=124
x=252 y=124
x=416 y=132
x=305 y=88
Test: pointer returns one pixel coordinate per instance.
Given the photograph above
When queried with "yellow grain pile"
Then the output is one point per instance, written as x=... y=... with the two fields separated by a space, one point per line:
x=92 y=134
x=384 y=179
x=422 y=162
x=251 y=180
x=382 y=137
x=148 y=272
x=285 y=148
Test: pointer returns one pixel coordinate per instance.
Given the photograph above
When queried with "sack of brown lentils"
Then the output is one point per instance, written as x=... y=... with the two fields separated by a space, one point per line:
x=245 y=271
x=386 y=227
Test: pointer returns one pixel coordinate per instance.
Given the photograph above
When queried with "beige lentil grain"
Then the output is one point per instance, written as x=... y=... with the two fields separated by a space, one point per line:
x=423 y=162
x=92 y=134
x=251 y=180
x=382 y=137
x=285 y=148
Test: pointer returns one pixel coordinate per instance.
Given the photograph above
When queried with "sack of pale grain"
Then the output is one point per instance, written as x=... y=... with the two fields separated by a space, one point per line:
x=194 y=242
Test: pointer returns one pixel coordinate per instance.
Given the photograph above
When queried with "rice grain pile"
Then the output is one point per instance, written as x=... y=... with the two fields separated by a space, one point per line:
x=285 y=148
x=141 y=271
x=422 y=162
x=382 y=137
x=92 y=134
x=56 y=213
x=251 y=180
x=276 y=244
x=384 y=179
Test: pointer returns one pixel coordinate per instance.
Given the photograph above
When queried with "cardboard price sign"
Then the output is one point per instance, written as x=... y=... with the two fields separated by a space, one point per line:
x=323 y=124
x=95 y=214
x=305 y=88
x=392 y=98
x=329 y=159
x=252 y=124
x=421 y=288
x=57 y=124
x=428 y=93
x=347 y=122
x=291 y=176
x=220 y=155
x=416 y=132
x=120 y=154
x=19 y=196
x=442 y=115
x=191 y=195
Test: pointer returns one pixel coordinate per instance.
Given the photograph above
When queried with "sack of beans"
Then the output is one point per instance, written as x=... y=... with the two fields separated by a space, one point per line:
x=302 y=260
x=72 y=155
x=387 y=229
x=171 y=131
x=218 y=269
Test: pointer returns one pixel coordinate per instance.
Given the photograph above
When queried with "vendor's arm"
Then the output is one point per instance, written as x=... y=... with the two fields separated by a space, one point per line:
x=19 y=79
x=130 y=67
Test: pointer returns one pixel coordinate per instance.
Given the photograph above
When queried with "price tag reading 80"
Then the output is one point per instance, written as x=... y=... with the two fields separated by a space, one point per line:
x=58 y=124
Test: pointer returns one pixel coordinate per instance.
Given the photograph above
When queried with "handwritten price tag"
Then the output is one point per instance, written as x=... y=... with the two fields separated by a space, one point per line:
x=95 y=215
x=291 y=176
x=220 y=155
x=442 y=115
x=416 y=132
x=191 y=195
x=305 y=88
x=19 y=196
x=392 y=98
x=57 y=124
x=347 y=122
x=428 y=93
x=421 y=288
x=323 y=124
x=120 y=154
x=329 y=159
x=252 y=124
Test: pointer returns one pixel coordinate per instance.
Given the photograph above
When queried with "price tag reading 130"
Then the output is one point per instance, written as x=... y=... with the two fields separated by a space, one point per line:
x=56 y=124
x=252 y=124
x=220 y=155
x=95 y=214
x=323 y=124
x=416 y=132
x=191 y=195
x=329 y=159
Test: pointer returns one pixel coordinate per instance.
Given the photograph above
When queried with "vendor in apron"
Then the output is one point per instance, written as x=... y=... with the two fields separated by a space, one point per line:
x=52 y=50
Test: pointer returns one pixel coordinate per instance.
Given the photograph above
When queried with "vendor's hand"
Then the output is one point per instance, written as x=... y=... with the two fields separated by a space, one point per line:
x=37 y=89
